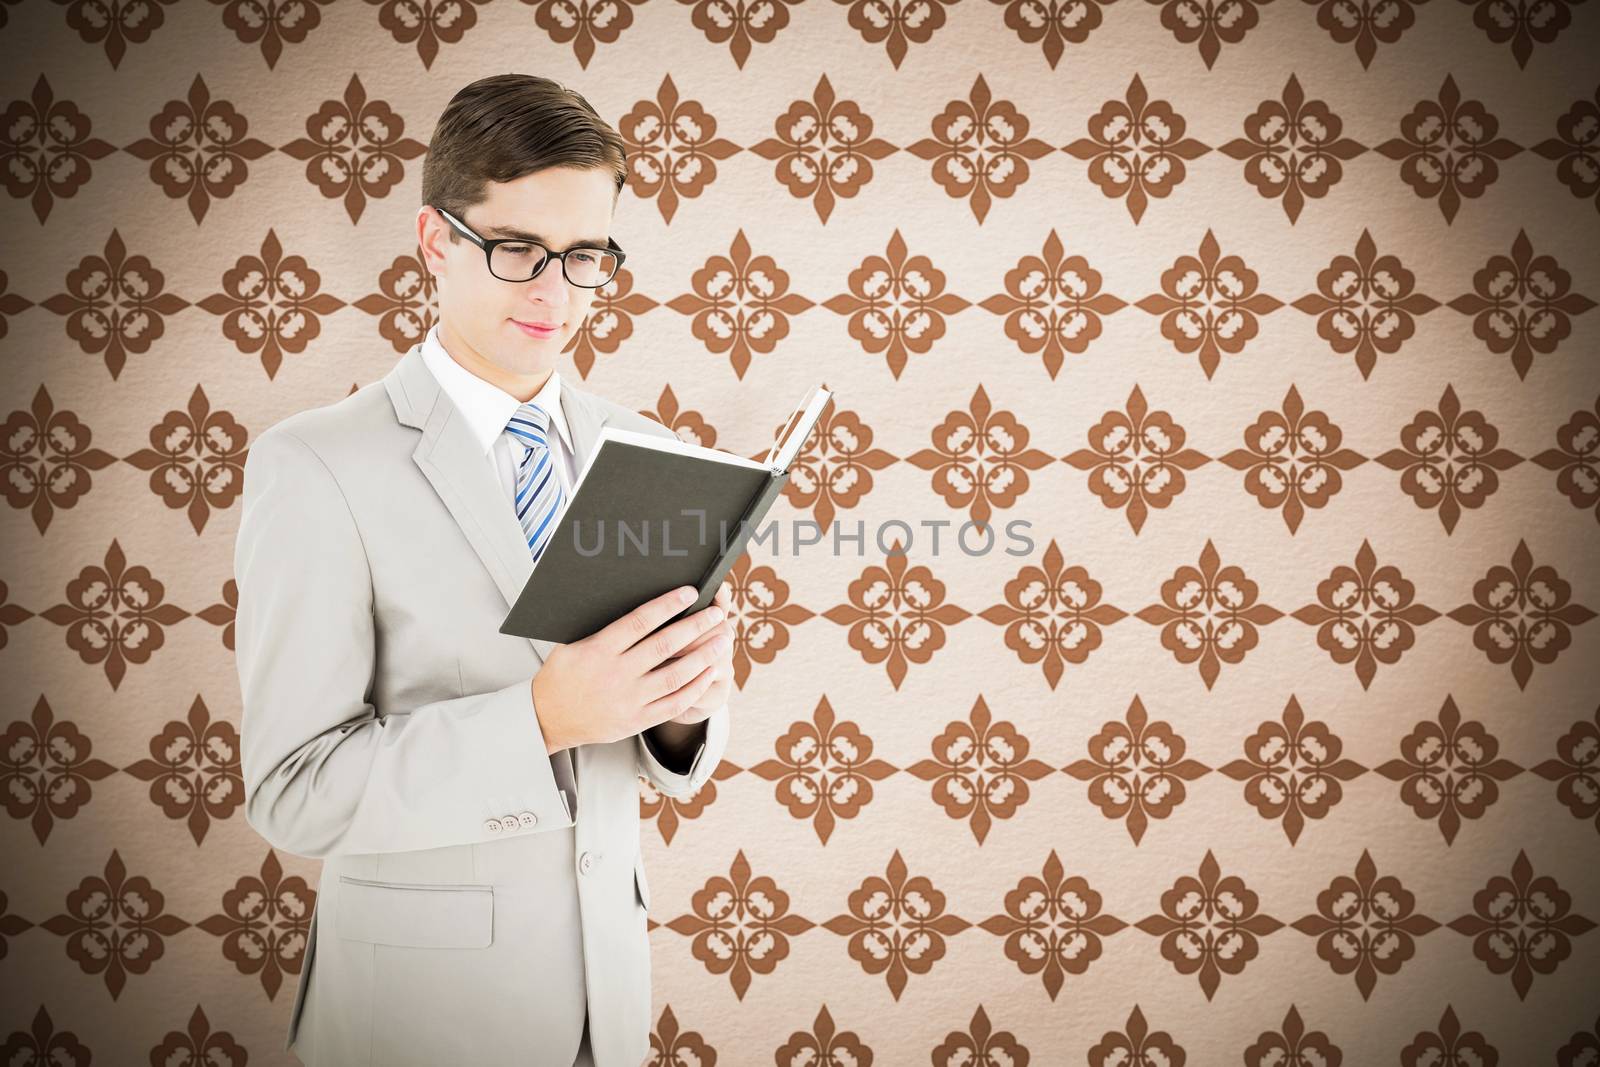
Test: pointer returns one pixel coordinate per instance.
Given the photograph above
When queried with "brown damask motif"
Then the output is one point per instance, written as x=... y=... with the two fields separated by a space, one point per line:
x=198 y=149
x=1576 y=459
x=1292 y=770
x=47 y=148
x=1293 y=1045
x=43 y=1044
x=272 y=23
x=823 y=1044
x=115 y=613
x=833 y=469
x=355 y=148
x=115 y=924
x=1291 y=147
x=11 y=305
x=197 y=462
x=896 y=304
x=46 y=461
x=824 y=146
x=11 y=924
x=1138 y=1044
x=610 y=321
x=741 y=925
x=1136 y=459
x=1209 y=304
x=46 y=770
x=1209 y=614
x=221 y=614
x=1136 y=770
x=741 y=24
x=1292 y=459
x=741 y=304
x=1449 y=1044
x=118 y=23
x=407 y=302
x=980 y=770
x=1576 y=149
x=980 y=1043
x=1210 y=925
x=1366 y=925
x=1136 y=148
x=673 y=148
x=1366 y=614
x=762 y=614
x=1211 y=23
x=1053 y=614
x=1522 y=614
x=1581 y=1050
x=1448 y=459
x=114 y=303
x=980 y=458
x=1522 y=925
x=1522 y=22
x=689 y=424
x=1366 y=304
x=582 y=23
x=1448 y=770
x=897 y=925
x=1053 y=24
x=980 y=149
x=10 y=614
x=1366 y=23
x=1522 y=304
x=1053 y=926
x=897 y=614
x=198 y=1043
x=667 y=812
x=271 y=303
x=428 y=23
x=265 y=924
x=1053 y=305
x=897 y=24
x=824 y=770
x=194 y=770
x=1448 y=149
x=1576 y=770
x=671 y=1046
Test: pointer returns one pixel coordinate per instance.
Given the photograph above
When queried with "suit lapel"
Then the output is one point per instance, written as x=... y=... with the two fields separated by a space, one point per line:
x=449 y=456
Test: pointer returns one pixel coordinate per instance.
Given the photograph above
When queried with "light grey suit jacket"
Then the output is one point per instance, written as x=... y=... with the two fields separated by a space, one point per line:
x=476 y=898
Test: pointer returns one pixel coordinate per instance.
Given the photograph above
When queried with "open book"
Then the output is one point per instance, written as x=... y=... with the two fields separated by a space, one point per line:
x=649 y=514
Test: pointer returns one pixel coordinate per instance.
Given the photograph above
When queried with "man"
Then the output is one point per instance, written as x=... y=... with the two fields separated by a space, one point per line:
x=473 y=795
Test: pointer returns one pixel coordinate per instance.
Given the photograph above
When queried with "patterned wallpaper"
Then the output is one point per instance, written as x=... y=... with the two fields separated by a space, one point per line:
x=1272 y=736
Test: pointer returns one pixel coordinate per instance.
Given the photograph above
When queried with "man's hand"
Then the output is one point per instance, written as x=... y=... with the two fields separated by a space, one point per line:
x=632 y=674
x=716 y=694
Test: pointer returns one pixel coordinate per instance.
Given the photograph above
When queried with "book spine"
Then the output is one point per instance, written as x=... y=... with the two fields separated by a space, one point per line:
x=747 y=525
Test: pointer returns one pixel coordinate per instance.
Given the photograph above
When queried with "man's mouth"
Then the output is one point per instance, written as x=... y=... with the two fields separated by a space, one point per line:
x=537 y=330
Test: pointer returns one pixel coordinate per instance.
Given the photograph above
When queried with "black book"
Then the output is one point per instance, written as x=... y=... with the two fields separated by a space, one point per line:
x=647 y=515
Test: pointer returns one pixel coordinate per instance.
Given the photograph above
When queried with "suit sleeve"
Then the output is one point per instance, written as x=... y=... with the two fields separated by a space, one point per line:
x=679 y=781
x=325 y=771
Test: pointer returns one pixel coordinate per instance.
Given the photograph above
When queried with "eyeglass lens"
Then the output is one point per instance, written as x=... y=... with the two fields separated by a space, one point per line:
x=518 y=262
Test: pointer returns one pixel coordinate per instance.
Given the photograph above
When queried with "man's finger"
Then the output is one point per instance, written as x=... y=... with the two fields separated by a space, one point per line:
x=622 y=634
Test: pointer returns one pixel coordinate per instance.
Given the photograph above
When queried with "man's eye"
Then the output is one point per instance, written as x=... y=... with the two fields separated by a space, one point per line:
x=517 y=250
x=585 y=256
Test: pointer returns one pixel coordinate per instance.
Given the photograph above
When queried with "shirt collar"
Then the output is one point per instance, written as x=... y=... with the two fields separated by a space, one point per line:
x=486 y=406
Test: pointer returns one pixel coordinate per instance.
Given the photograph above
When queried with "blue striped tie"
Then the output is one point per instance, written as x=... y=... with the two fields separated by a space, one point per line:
x=539 y=496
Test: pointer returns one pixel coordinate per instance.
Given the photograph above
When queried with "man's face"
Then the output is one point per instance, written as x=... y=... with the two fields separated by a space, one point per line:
x=479 y=313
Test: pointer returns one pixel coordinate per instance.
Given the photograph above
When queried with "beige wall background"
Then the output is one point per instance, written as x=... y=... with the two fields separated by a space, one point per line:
x=1275 y=737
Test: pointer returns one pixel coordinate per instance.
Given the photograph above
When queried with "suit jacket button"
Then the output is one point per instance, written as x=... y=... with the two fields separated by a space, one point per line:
x=527 y=819
x=585 y=863
x=509 y=822
x=492 y=825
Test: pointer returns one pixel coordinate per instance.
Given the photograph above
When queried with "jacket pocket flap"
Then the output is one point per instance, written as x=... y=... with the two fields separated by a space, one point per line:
x=417 y=915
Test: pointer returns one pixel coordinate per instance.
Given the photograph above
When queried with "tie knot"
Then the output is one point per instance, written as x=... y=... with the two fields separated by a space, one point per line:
x=530 y=424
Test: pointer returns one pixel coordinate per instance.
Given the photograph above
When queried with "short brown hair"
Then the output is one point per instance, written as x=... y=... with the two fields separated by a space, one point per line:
x=506 y=125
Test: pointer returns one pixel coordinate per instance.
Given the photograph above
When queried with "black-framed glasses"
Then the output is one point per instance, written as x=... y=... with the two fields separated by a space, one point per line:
x=516 y=259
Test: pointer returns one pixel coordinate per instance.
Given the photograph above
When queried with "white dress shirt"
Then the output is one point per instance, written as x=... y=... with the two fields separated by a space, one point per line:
x=488 y=408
